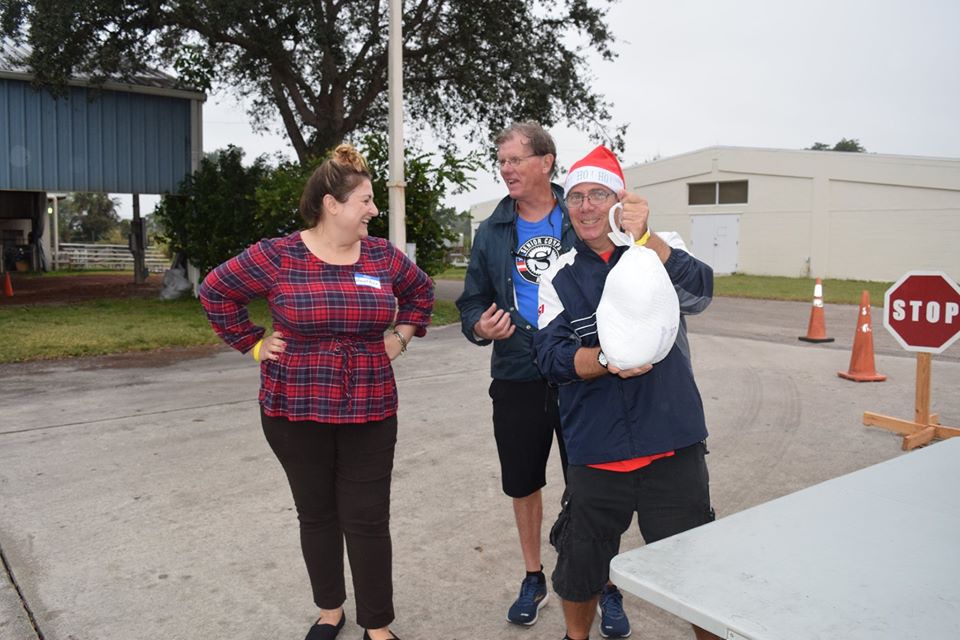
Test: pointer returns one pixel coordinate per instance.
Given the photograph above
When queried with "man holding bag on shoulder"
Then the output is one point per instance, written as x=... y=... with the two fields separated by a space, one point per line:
x=634 y=437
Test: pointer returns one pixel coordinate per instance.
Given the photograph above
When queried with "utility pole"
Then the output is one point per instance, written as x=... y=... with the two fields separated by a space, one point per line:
x=396 y=184
x=138 y=243
x=56 y=232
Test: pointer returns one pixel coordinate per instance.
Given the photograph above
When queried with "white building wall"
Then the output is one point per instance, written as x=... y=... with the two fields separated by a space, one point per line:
x=775 y=234
x=480 y=212
x=819 y=214
x=893 y=229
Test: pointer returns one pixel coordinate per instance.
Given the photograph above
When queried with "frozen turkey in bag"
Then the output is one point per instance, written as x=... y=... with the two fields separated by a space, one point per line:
x=639 y=314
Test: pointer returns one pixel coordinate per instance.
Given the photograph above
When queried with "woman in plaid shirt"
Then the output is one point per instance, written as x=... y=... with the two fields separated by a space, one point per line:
x=328 y=399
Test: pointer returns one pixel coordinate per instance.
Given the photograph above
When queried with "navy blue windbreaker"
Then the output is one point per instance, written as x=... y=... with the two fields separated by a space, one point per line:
x=490 y=279
x=610 y=418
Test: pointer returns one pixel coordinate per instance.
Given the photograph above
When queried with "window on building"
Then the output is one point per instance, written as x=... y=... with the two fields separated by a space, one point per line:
x=734 y=192
x=728 y=192
x=703 y=192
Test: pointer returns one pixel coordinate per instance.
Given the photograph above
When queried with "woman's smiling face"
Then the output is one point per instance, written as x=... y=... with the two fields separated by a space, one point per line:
x=358 y=210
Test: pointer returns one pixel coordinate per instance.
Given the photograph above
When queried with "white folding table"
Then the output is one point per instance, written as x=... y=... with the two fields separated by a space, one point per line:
x=872 y=555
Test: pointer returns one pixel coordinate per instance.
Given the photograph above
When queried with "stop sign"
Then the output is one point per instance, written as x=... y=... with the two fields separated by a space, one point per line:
x=922 y=311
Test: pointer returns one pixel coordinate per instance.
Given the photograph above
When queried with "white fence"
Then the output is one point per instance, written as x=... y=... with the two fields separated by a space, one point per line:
x=107 y=256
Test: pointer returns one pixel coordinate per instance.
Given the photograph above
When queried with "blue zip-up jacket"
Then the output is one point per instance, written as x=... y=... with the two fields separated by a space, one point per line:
x=609 y=418
x=490 y=279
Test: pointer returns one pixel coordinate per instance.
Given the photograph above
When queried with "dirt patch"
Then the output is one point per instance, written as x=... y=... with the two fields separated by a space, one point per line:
x=155 y=358
x=168 y=357
x=49 y=289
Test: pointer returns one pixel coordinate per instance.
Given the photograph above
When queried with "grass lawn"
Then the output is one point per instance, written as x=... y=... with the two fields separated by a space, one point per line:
x=451 y=273
x=768 y=287
x=117 y=326
x=123 y=325
x=779 y=288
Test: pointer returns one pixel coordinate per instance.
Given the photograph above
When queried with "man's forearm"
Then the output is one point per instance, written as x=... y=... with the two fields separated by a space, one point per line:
x=661 y=248
x=587 y=365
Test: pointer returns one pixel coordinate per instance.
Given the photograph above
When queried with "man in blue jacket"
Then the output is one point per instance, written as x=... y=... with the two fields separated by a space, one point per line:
x=526 y=233
x=634 y=438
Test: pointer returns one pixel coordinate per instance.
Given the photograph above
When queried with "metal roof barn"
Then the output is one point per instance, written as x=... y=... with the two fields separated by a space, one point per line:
x=136 y=135
x=115 y=137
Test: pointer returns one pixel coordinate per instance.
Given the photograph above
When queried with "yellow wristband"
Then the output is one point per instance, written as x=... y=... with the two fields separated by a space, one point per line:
x=256 y=350
x=643 y=239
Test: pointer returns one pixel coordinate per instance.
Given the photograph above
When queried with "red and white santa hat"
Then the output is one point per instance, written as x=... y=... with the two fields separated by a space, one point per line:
x=600 y=166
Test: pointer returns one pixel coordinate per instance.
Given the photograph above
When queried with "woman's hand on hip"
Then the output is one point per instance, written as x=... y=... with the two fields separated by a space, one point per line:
x=392 y=346
x=273 y=345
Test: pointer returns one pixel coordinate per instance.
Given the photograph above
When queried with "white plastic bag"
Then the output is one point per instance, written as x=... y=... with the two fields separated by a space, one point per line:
x=639 y=313
x=175 y=284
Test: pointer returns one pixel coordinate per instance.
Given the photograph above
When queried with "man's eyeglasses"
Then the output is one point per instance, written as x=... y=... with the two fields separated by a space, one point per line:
x=515 y=161
x=596 y=196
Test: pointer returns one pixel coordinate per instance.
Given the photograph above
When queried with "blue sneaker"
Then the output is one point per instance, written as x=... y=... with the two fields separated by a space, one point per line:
x=533 y=595
x=613 y=620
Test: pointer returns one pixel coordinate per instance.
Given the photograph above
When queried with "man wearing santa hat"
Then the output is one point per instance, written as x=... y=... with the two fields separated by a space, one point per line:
x=634 y=438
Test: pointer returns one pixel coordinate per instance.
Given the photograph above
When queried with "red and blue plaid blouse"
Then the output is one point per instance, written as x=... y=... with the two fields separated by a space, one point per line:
x=332 y=317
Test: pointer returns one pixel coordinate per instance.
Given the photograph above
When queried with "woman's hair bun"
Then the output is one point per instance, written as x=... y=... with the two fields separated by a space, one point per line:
x=346 y=154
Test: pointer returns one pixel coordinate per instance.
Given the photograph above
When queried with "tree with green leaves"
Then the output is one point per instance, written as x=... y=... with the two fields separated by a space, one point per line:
x=225 y=207
x=458 y=222
x=428 y=179
x=215 y=214
x=844 y=145
x=90 y=217
x=470 y=66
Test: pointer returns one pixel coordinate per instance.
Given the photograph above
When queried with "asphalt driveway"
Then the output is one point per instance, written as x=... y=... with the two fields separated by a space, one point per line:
x=138 y=498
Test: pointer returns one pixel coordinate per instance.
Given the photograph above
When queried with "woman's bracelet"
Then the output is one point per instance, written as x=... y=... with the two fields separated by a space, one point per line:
x=403 y=341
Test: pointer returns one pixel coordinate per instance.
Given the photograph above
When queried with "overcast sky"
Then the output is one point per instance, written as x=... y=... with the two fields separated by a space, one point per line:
x=756 y=73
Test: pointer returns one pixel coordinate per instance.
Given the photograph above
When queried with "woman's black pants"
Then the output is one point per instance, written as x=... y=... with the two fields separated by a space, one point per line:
x=340 y=478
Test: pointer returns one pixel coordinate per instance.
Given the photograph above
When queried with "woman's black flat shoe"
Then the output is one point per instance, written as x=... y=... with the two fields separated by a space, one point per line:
x=366 y=636
x=326 y=631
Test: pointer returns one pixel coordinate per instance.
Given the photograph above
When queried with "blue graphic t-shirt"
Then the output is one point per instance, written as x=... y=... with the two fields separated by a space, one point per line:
x=538 y=246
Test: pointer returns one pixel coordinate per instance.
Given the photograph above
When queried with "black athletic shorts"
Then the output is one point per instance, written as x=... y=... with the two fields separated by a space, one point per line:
x=669 y=496
x=525 y=418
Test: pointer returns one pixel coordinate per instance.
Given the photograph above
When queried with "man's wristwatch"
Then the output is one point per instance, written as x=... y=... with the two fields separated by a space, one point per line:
x=602 y=359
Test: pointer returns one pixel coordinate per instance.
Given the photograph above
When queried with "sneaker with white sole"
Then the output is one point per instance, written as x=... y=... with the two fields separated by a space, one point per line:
x=613 y=619
x=533 y=595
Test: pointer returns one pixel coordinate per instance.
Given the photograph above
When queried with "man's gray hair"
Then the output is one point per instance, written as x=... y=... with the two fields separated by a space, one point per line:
x=540 y=142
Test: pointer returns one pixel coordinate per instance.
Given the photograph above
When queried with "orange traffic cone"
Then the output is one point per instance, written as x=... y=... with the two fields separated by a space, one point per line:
x=862 y=367
x=7 y=285
x=817 y=329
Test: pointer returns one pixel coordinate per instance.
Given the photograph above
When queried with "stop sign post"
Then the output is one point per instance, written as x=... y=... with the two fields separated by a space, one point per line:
x=922 y=312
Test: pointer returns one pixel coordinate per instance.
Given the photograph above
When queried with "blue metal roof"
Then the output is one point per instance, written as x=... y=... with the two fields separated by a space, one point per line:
x=116 y=138
x=89 y=140
x=13 y=62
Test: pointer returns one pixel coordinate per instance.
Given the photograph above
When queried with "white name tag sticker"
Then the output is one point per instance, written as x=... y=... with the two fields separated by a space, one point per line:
x=362 y=280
